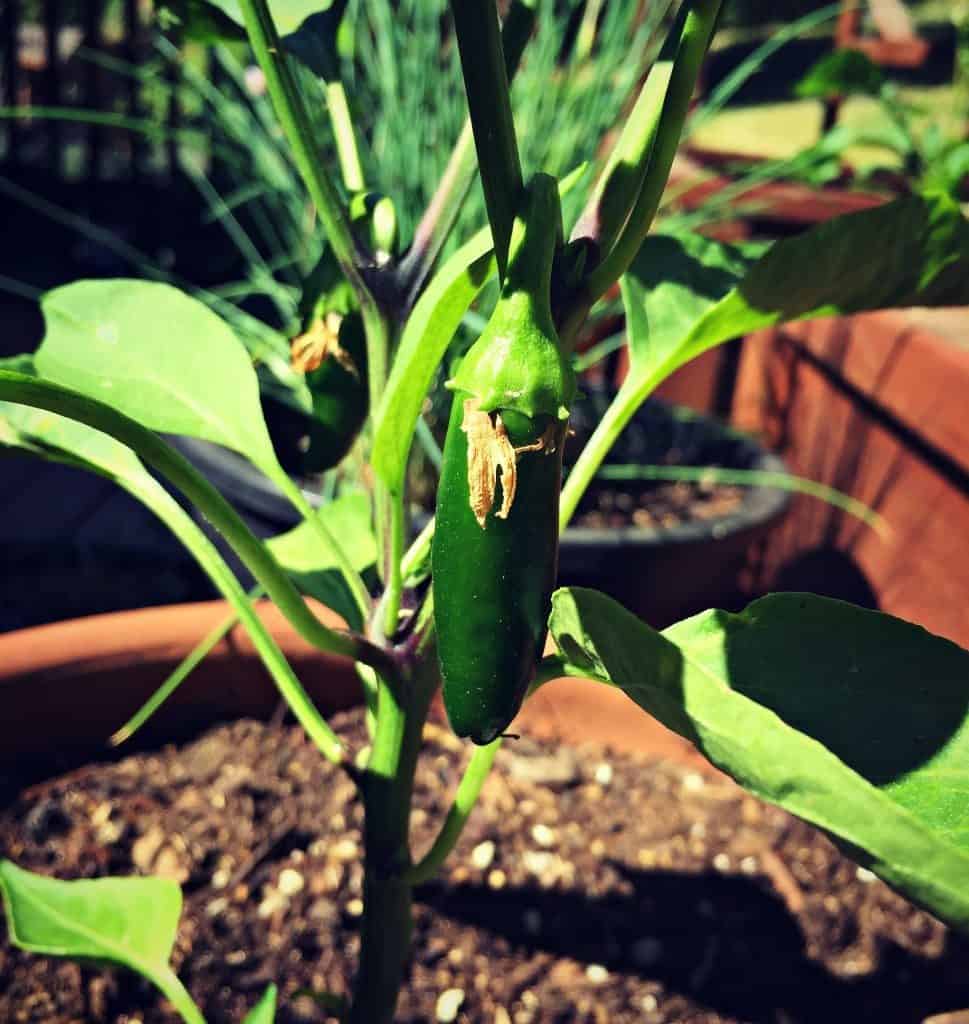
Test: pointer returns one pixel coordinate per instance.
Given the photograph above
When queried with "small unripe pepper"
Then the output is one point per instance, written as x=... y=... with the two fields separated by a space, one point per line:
x=495 y=548
x=332 y=350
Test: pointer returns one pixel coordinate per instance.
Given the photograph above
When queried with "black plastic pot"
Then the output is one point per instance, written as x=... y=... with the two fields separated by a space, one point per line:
x=662 y=574
x=666 y=574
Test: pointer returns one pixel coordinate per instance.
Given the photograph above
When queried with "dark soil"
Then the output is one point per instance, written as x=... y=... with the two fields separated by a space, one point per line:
x=661 y=505
x=587 y=887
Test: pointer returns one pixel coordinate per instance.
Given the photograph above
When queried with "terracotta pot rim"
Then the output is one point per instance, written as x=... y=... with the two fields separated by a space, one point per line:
x=69 y=685
x=66 y=691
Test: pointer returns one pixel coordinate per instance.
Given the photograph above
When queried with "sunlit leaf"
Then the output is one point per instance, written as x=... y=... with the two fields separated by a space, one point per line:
x=313 y=569
x=851 y=719
x=159 y=356
x=684 y=296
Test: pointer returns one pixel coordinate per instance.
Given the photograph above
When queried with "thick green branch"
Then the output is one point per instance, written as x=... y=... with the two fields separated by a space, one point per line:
x=489 y=104
x=387 y=791
x=442 y=211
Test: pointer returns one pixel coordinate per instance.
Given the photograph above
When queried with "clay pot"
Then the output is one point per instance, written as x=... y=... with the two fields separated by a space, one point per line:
x=66 y=687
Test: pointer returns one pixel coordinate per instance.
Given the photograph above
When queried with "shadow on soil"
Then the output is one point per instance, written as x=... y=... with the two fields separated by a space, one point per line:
x=724 y=942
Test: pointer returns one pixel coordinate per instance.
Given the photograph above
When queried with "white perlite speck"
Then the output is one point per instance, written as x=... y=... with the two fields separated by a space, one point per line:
x=483 y=854
x=449 y=1003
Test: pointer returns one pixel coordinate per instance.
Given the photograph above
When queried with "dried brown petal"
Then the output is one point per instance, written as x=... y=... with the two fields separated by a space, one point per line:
x=490 y=451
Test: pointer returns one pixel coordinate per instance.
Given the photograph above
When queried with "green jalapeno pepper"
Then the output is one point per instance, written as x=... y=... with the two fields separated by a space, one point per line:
x=332 y=350
x=495 y=548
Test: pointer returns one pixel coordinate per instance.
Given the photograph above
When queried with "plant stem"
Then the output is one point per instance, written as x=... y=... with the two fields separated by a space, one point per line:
x=176 y=993
x=346 y=139
x=418 y=550
x=42 y=394
x=464 y=800
x=586 y=36
x=387 y=789
x=470 y=785
x=489 y=104
x=388 y=505
x=620 y=412
x=182 y=671
x=694 y=41
x=205 y=553
x=442 y=211
x=394 y=541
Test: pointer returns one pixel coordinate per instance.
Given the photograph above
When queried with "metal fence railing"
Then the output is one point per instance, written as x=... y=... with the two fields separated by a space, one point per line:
x=72 y=92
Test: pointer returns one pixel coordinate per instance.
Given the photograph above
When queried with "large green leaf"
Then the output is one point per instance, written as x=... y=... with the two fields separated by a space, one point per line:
x=911 y=252
x=426 y=336
x=37 y=429
x=160 y=357
x=313 y=568
x=130 y=922
x=853 y=720
x=169 y=363
x=127 y=921
x=672 y=283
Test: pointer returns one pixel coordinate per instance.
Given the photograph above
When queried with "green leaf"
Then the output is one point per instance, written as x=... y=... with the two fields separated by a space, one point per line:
x=313 y=569
x=320 y=40
x=28 y=390
x=130 y=922
x=426 y=336
x=127 y=921
x=949 y=169
x=160 y=357
x=672 y=283
x=841 y=73
x=264 y=1012
x=314 y=31
x=911 y=252
x=169 y=363
x=853 y=720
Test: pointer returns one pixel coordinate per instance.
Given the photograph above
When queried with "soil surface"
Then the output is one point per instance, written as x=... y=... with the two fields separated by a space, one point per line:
x=661 y=505
x=588 y=886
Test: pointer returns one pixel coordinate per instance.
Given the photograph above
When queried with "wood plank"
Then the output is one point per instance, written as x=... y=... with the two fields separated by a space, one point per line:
x=913 y=363
x=920 y=570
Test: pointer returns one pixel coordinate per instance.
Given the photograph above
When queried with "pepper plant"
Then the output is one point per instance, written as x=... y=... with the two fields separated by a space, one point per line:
x=853 y=720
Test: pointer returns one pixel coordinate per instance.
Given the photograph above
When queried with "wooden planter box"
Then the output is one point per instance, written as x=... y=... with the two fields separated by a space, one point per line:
x=874 y=405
